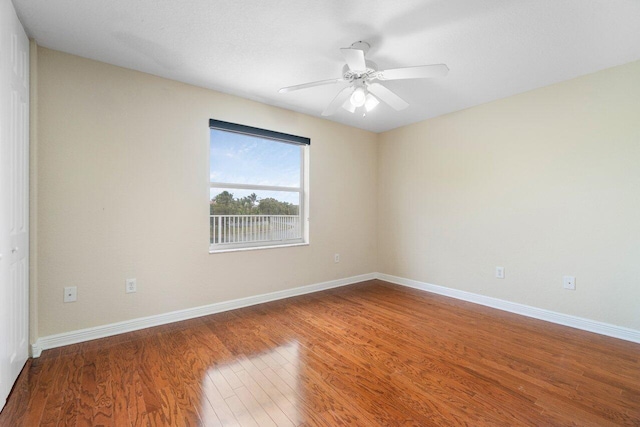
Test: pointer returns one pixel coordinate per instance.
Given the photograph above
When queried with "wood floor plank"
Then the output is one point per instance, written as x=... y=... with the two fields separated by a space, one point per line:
x=177 y=408
x=70 y=406
x=16 y=408
x=88 y=390
x=367 y=354
x=245 y=419
x=103 y=396
x=184 y=379
x=285 y=400
x=45 y=371
x=263 y=399
x=218 y=403
x=128 y=401
x=208 y=351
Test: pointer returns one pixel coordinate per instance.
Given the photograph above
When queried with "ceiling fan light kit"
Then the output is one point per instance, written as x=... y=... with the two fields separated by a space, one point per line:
x=364 y=90
x=358 y=97
x=371 y=102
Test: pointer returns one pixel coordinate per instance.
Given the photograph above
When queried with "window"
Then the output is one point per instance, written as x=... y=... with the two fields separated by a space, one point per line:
x=257 y=194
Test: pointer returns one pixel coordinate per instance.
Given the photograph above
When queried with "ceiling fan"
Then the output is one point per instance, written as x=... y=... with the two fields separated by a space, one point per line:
x=364 y=89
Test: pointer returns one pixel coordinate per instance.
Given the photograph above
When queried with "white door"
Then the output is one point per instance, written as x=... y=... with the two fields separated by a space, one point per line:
x=14 y=198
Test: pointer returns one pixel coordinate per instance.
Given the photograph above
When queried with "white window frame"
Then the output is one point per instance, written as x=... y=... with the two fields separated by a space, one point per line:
x=302 y=189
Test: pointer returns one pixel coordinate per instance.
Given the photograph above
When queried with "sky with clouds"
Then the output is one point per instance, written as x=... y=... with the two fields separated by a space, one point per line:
x=242 y=159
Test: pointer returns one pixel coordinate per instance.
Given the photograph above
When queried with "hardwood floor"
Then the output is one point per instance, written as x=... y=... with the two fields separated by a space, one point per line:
x=368 y=354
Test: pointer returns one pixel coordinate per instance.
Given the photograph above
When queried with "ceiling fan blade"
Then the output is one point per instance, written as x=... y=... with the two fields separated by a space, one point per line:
x=312 y=84
x=387 y=96
x=354 y=58
x=419 y=72
x=337 y=102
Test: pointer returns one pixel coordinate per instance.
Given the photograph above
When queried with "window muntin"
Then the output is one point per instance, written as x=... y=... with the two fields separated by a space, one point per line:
x=256 y=187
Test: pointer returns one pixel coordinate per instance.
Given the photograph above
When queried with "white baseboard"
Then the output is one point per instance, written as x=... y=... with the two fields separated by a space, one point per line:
x=36 y=350
x=81 y=335
x=524 y=310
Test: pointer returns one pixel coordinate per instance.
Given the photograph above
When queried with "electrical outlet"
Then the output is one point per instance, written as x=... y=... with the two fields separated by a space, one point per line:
x=131 y=286
x=569 y=282
x=500 y=272
x=70 y=294
x=336 y=258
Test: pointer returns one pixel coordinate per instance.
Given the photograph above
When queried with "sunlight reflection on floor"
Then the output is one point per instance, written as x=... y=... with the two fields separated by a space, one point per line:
x=259 y=390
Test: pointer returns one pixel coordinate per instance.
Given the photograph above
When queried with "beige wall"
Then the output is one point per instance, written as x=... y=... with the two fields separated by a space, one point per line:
x=546 y=184
x=122 y=191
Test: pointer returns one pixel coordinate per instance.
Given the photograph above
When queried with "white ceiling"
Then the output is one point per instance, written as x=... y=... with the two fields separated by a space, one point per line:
x=251 y=48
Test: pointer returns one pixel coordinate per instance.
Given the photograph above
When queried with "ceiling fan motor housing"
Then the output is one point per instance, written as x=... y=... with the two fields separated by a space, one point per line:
x=369 y=73
x=360 y=45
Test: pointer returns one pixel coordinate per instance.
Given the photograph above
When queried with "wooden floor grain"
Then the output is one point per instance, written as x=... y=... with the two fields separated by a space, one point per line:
x=368 y=354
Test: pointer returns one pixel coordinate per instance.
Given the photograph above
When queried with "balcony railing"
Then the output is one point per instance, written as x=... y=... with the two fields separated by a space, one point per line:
x=228 y=229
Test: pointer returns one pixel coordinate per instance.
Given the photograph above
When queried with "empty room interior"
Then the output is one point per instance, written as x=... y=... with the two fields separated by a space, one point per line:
x=330 y=213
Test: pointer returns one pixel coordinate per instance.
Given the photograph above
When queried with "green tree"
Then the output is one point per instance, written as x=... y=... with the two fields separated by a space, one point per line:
x=271 y=206
x=248 y=204
x=225 y=203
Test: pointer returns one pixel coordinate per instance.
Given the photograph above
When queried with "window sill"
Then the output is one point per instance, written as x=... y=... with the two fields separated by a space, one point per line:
x=255 y=248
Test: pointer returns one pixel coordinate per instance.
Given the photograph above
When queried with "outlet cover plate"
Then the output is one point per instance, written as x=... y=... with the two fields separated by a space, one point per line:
x=569 y=282
x=70 y=294
x=500 y=272
x=131 y=286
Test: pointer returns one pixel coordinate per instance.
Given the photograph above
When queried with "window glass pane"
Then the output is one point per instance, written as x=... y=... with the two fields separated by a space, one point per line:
x=243 y=159
x=232 y=201
x=247 y=216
